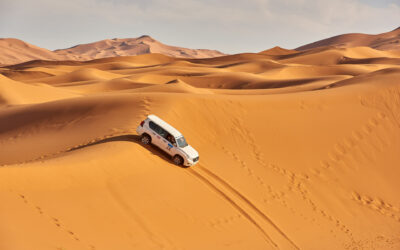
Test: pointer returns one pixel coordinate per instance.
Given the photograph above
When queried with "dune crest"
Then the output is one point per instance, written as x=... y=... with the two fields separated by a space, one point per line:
x=277 y=51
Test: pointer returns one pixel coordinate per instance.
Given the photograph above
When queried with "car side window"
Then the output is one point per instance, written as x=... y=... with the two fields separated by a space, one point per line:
x=163 y=133
x=159 y=130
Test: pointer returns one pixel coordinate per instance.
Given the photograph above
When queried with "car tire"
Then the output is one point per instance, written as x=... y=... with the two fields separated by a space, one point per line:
x=178 y=160
x=145 y=139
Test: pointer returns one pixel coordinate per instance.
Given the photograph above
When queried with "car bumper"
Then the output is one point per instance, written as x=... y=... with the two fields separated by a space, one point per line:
x=189 y=163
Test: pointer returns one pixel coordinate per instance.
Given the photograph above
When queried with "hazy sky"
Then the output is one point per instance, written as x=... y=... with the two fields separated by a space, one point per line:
x=230 y=26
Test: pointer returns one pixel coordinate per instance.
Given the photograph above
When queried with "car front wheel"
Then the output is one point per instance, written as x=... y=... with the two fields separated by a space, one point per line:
x=178 y=160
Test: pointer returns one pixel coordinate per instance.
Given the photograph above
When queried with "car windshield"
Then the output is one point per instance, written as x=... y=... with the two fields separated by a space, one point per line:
x=181 y=142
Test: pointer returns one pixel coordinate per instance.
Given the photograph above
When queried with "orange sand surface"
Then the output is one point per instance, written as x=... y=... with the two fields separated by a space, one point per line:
x=298 y=150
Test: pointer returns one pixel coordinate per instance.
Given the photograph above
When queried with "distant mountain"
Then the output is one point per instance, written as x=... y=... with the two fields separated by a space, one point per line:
x=13 y=51
x=385 y=41
x=132 y=47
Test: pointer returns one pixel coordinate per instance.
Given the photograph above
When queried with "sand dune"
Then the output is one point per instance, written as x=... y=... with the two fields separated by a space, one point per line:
x=79 y=75
x=278 y=51
x=298 y=150
x=384 y=41
x=331 y=55
x=14 y=92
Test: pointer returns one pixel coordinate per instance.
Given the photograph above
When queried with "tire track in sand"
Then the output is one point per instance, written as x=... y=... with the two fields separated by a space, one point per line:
x=249 y=203
x=234 y=197
x=234 y=204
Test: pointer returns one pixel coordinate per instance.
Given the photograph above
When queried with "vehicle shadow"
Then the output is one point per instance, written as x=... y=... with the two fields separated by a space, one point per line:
x=135 y=139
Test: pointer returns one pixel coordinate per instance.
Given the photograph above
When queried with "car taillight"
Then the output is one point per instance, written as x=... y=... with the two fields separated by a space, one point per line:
x=141 y=124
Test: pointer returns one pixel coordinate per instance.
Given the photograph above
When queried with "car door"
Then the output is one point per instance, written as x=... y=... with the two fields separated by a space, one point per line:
x=173 y=150
x=166 y=145
x=155 y=134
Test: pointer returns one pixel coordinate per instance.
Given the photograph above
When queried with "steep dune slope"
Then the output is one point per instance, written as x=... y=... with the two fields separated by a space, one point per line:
x=297 y=151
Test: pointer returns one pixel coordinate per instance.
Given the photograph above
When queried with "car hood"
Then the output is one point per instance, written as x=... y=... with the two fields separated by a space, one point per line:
x=190 y=151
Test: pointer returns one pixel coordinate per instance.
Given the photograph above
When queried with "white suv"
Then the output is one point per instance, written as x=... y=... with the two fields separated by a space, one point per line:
x=156 y=131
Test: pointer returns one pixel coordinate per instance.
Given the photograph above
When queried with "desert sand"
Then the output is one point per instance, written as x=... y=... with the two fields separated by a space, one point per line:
x=298 y=150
